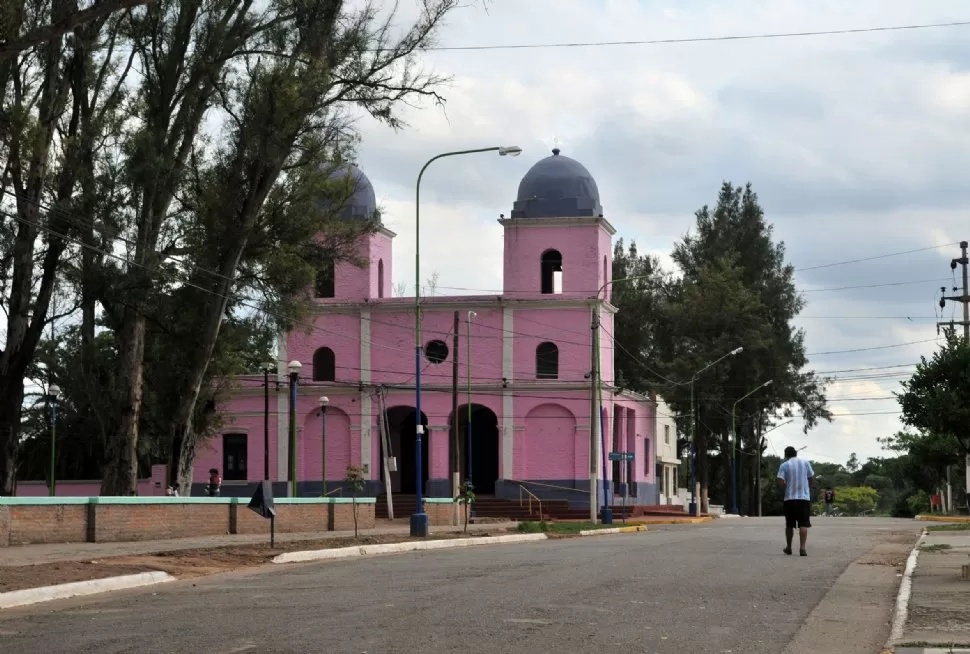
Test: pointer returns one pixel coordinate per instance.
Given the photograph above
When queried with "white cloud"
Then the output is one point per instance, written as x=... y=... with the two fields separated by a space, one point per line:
x=856 y=144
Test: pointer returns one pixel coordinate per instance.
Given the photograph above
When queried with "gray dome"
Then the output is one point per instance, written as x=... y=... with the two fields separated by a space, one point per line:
x=362 y=203
x=557 y=187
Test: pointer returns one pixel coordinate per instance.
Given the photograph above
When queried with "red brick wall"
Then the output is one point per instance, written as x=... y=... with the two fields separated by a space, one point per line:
x=442 y=514
x=130 y=522
x=25 y=524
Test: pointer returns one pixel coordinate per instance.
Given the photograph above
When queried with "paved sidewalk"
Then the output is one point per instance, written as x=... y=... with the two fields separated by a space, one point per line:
x=939 y=608
x=36 y=554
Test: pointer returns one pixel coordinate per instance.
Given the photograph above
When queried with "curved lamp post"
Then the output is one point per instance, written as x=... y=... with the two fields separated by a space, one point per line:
x=734 y=446
x=693 y=431
x=324 y=403
x=53 y=395
x=294 y=369
x=419 y=520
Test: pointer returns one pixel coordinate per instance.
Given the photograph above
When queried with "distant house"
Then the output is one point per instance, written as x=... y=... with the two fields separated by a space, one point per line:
x=667 y=461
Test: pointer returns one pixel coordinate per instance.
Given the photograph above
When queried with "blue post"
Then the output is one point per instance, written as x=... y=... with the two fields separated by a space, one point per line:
x=469 y=439
x=419 y=520
x=606 y=516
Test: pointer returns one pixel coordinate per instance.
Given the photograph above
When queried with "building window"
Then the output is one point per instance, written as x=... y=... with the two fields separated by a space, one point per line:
x=325 y=280
x=324 y=365
x=380 y=278
x=234 y=455
x=646 y=456
x=666 y=434
x=547 y=361
x=551 y=271
x=436 y=351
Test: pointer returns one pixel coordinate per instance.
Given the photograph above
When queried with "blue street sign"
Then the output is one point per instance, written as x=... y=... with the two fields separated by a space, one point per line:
x=621 y=456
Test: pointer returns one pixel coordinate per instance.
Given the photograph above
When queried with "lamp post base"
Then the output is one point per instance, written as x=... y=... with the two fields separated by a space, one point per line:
x=419 y=525
x=606 y=515
x=692 y=508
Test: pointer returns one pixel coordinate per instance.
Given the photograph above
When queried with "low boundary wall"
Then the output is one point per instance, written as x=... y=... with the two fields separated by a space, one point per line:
x=32 y=520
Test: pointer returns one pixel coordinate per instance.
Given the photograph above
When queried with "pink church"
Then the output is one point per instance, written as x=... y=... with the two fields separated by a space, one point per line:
x=524 y=358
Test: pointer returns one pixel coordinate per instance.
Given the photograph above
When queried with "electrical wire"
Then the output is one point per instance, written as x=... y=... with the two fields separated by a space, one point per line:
x=698 y=39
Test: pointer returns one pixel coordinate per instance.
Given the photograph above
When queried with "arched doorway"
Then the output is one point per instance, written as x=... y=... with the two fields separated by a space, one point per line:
x=485 y=447
x=401 y=425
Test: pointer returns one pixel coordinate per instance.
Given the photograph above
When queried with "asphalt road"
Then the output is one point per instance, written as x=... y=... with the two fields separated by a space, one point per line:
x=720 y=587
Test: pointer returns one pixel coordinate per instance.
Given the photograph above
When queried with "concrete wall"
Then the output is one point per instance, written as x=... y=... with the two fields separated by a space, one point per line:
x=25 y=521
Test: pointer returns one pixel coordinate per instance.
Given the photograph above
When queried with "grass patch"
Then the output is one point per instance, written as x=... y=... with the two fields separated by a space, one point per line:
x=955 y=526
x=935 y=547
x=570 y=527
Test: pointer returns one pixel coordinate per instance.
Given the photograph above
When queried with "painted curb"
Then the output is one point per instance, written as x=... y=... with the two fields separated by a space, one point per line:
x=902 y=598
x=393 y=548
x=27 y=596
x=679 y=521
x=934 y=518
x=614 y=530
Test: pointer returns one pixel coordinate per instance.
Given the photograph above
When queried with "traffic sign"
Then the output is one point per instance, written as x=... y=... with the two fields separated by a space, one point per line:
x=621 y=456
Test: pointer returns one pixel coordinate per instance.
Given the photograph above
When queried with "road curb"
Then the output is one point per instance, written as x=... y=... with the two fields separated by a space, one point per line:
x=393 y=548
x=935 y=518
x=614 y=530
x=27 y=596
x=901 y=613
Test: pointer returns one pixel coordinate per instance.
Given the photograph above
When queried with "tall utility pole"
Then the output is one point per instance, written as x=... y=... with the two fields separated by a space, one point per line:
x=455 y=459
x=964 y=299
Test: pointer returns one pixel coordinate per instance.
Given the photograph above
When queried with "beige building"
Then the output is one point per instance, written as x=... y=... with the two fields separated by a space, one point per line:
x=667 y=461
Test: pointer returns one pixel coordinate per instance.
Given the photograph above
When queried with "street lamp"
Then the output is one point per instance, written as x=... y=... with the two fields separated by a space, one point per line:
x=693 y=429
x=267 y=368
x=53 y=395
x=419 y=521
x=294 y=368
x=324 y=403
x=734 y=446
x=468 y=428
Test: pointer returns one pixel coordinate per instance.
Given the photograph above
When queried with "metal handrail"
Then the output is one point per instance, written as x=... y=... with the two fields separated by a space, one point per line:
x=539 y=483
x=339 y=489
x=532 y=496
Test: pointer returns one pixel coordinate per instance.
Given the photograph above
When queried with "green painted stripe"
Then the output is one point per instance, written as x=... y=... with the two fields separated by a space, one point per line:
x=324 y=500
x=39 y=501
x=164 y=499
x=439 y=500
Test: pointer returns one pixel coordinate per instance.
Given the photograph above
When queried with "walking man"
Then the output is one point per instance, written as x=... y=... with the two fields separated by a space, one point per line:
x=797 y=477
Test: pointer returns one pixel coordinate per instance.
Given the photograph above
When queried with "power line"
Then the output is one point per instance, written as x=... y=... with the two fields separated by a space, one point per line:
x=867 y=349
x=874 y=258
x=698 y=39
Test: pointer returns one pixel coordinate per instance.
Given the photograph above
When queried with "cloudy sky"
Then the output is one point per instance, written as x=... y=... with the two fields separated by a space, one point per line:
x=857 y=145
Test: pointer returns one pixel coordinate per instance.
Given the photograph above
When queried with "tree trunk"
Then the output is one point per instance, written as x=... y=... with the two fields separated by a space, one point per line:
x=121 y=450
x=702 y=469
x=11 y=403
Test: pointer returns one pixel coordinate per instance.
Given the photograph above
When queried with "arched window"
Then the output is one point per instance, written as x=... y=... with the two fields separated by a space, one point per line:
x=380 y=278
x=324 y=365
x=325 y=280
x=547 y=361
x=551 y=270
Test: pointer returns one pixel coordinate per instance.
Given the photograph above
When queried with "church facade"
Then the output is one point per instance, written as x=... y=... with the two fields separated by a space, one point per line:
x=528 y=413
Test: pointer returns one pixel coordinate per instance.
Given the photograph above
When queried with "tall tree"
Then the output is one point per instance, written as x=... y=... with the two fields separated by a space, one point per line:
x=734 y=289
x=58 y=103
x=283 y=79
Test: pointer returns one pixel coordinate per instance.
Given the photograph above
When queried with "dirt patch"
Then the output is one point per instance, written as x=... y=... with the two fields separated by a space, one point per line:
x=190 y=563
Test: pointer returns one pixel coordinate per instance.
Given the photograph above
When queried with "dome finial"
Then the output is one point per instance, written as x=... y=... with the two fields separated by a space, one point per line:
x=555 y=151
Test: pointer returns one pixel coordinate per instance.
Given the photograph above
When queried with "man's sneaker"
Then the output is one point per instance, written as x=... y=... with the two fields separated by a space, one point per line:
x=802 y=553
x=787 y=551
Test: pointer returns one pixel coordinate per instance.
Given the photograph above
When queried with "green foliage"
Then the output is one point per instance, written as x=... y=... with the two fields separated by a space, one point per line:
x=734 y=289
x=466 y=495
x=918 y=503
x=354 y=477
x=936 y=399
x=854 y=500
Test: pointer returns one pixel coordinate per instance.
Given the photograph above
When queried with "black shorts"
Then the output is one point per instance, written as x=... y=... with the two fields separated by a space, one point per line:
x=798 y=513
